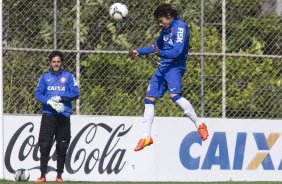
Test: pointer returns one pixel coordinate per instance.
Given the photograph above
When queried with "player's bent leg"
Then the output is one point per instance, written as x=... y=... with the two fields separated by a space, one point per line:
x=190 y=113
x=146 y=139
x=186 y=107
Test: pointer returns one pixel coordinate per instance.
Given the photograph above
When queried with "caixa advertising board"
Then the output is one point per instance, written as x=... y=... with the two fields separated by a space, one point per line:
x=102 y=149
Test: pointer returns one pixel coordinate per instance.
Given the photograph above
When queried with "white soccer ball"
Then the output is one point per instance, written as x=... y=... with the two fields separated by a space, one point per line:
x=22 y=175
x=118 y=11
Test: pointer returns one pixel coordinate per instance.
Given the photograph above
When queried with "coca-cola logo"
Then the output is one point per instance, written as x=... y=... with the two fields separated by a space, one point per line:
x=109 y=158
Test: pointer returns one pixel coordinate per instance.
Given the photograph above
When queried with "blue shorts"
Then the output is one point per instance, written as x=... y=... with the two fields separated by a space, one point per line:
x=166 y=78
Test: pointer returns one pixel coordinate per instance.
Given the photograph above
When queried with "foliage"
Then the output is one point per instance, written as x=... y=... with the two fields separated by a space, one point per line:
x=249 y=87
x=113 y=84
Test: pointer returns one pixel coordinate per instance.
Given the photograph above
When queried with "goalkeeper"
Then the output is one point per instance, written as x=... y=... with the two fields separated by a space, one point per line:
x=56 y=90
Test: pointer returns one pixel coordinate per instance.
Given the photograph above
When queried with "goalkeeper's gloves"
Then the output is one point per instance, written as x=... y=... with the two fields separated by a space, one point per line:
x=56 y=98
x=59 y=107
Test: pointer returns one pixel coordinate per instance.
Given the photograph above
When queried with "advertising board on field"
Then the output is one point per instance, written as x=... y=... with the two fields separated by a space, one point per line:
x=102 y=149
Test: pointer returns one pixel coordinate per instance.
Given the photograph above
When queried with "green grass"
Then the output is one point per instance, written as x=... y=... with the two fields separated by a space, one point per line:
x=78 y=182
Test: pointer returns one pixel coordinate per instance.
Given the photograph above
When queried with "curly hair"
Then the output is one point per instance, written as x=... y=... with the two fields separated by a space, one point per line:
x=164 y=10
x=56 y=53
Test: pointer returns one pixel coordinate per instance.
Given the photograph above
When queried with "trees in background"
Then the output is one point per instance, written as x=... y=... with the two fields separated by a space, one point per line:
x=113 y=84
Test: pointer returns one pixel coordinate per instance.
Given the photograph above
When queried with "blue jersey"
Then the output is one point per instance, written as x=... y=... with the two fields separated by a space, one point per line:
x=63 y=85
x=173 y=44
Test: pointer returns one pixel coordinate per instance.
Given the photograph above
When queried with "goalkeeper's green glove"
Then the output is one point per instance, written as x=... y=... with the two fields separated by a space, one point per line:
x=59 y=107
x=56 y=98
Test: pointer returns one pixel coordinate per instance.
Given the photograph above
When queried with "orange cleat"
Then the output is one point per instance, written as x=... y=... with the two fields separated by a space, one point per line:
x=143 y=143
x=203 y=131
x=59 y=180
x=40 y=180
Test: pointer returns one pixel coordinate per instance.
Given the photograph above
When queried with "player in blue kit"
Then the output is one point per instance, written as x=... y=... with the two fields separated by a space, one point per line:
x=56 y=90
x=172 y=47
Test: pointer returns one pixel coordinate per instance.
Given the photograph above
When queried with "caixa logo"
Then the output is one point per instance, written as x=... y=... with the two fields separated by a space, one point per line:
x=218 y=153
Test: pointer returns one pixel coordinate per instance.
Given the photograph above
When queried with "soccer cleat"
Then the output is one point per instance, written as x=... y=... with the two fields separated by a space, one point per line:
x=59 y=180
x=203 y=131
x=143 y=143
x=40 y=180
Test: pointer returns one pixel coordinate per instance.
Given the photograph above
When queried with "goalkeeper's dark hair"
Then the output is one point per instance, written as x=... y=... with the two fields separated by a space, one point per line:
x=56 y=53
x=164 y=10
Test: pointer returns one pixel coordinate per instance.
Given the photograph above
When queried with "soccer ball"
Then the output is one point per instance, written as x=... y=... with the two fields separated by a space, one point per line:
x=118 y=11
x=22 y=175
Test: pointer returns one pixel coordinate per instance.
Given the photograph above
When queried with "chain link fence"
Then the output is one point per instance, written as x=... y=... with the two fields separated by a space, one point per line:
x=234 y=69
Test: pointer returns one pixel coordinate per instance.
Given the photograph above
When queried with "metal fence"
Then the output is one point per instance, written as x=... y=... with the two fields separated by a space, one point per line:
x=234 y=69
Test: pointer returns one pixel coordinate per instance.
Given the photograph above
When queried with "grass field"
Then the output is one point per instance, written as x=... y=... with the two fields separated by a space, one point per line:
x=78 y=182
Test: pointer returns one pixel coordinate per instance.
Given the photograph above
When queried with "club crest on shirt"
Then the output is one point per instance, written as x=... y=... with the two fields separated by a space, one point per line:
x=63 y=80
x=168 y=39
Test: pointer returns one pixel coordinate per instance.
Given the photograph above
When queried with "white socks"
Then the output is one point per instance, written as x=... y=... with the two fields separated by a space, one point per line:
x=188 y=110
x=148 y=120
x=149 y=114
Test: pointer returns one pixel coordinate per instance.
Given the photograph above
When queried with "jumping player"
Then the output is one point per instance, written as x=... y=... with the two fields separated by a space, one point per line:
x=172 y=47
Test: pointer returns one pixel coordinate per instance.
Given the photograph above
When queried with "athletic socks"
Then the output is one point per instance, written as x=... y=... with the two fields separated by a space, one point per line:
x=187 y=108
x=43 y=175
x=59 y=175
x=150 y=108
x=149 y=114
